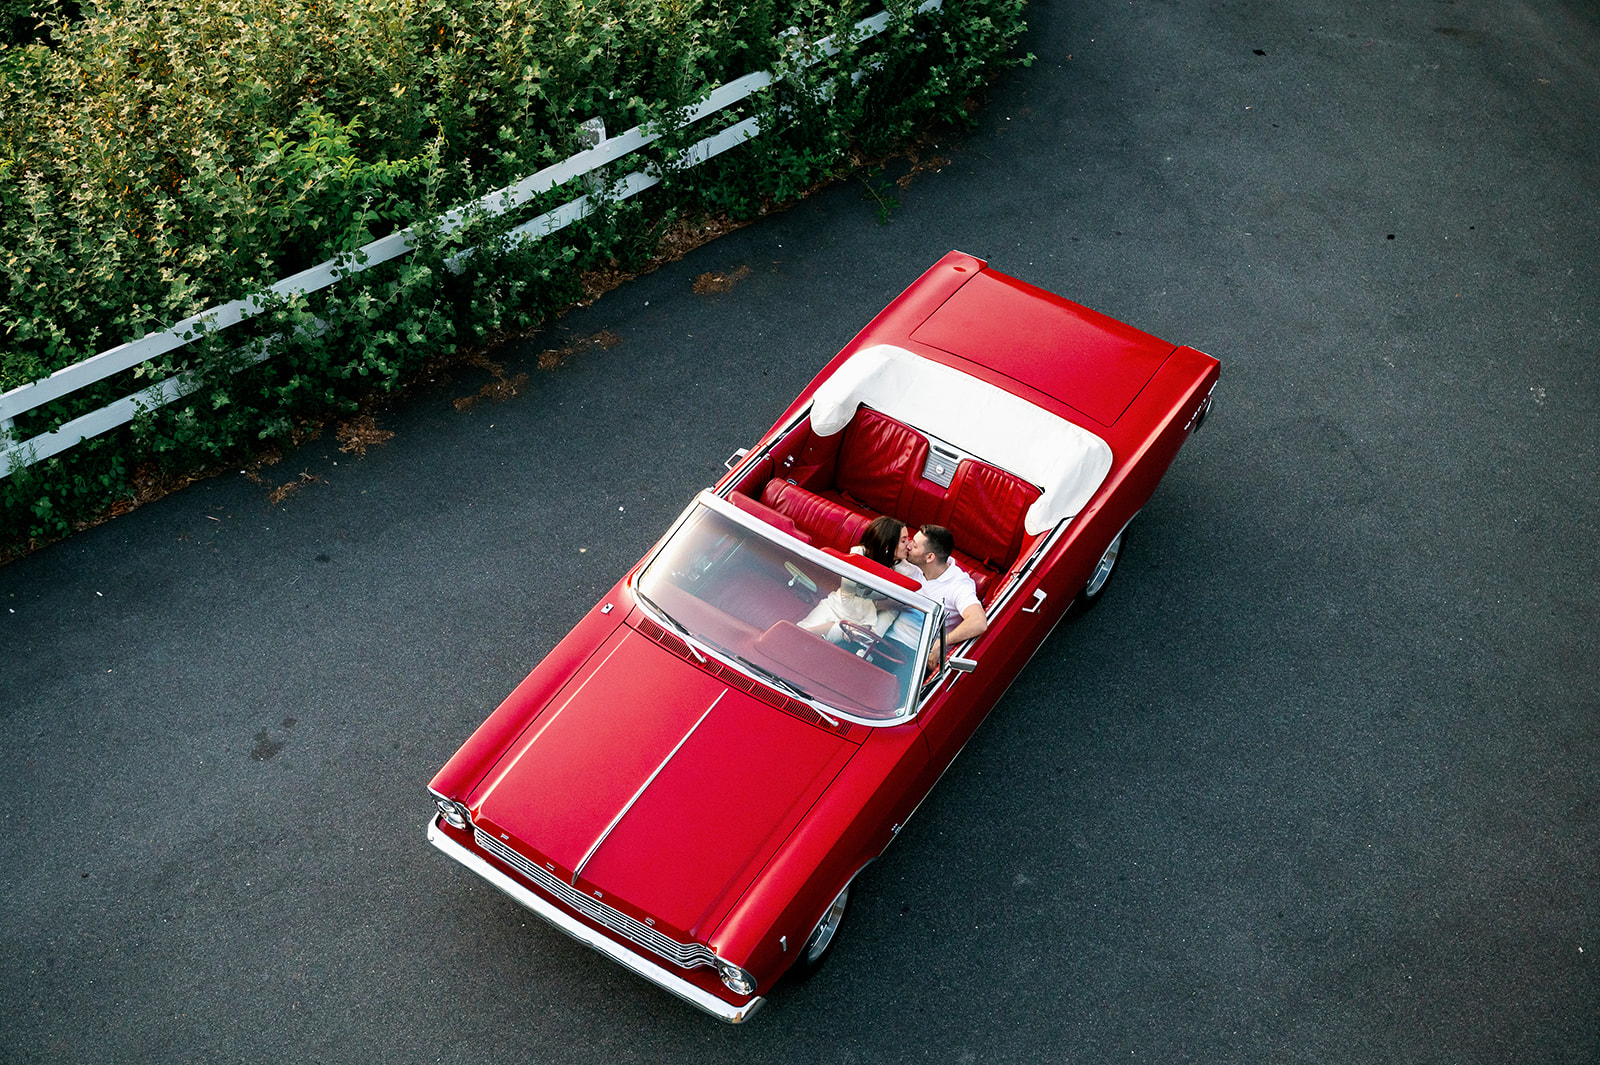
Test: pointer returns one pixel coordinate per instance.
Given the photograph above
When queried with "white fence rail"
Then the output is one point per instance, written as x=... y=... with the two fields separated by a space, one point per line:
x=16 y=454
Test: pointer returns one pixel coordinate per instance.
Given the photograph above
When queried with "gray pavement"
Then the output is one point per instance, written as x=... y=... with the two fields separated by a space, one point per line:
x=1315 y=783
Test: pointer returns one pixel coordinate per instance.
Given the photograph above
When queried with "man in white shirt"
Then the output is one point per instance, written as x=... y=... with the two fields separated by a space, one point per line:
x=929 y=551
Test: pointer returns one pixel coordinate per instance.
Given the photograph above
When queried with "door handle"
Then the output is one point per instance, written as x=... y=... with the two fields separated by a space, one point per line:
x=1039 y=597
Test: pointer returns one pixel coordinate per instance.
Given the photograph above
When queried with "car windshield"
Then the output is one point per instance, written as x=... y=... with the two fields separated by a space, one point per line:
x=812 y=624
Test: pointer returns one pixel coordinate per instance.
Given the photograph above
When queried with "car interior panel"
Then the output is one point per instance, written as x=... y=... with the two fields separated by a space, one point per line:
x=835 y=673
x=743 y=606
x=705 y=618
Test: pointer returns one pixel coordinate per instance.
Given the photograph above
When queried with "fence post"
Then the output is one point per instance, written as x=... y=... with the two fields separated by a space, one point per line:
x=592 y=134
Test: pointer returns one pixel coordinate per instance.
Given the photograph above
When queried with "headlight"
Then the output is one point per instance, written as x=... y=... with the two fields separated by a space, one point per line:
x=454 y=813
x=738 y=981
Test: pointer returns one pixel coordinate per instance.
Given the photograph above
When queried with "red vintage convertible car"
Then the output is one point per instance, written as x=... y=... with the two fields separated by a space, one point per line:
x=690 y=782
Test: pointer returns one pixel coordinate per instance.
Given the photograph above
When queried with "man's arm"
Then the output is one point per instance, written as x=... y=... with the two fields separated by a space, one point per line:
x=974 y=622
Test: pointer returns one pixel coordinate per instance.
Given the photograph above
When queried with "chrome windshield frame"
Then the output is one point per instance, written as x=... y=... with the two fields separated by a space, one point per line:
x=932 y=629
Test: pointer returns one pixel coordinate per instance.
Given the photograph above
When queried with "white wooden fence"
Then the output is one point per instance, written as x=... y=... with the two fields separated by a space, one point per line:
x=16 y=454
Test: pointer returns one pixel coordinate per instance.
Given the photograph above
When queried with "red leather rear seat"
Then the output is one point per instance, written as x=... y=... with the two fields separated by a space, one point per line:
x=830 y=523
x=985 y=507
x=880 y=463
x=826 y=521
x=767 y=514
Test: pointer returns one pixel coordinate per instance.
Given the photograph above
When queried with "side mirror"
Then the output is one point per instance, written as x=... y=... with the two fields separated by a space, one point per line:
x=736 y=458
x=962 y=665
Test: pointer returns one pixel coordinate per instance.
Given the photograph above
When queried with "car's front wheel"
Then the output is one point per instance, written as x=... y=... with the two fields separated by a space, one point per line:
x=819 y=944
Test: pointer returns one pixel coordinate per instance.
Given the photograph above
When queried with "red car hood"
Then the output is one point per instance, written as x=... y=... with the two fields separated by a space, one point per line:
x=662 y=788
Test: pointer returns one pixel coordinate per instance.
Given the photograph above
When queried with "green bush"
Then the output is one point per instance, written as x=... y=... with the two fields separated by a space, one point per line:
x=159 y=159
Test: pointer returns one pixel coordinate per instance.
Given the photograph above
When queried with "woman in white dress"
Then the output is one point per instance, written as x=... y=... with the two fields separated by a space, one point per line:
x=884 y=542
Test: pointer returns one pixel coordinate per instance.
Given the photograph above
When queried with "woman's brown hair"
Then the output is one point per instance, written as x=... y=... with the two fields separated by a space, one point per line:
x=881 y=539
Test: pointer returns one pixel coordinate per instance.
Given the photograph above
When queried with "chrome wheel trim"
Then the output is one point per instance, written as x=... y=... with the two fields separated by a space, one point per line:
x=822 y=936
x=1102 y=570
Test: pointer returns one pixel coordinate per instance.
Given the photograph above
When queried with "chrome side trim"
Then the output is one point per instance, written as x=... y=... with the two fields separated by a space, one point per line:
x=662 y=978
x=651 y=779
x=764 y=447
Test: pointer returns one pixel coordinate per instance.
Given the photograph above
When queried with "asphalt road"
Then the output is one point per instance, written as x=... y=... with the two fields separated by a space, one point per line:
x=1316 y=782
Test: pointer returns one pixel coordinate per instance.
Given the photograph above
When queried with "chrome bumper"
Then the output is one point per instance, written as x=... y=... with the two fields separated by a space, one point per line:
x=656 y=974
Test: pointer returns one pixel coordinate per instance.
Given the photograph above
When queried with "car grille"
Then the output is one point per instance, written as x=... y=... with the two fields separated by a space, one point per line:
x=685 y=955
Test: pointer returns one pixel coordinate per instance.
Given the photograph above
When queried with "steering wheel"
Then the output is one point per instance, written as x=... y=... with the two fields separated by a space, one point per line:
x=875 y=645
x=798 y=575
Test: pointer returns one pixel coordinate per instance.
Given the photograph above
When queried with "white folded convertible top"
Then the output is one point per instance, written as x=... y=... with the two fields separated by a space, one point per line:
x=1066 y=461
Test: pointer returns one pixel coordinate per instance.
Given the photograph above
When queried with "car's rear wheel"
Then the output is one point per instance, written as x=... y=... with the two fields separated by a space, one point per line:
x=1102 y=573
x=819 y=944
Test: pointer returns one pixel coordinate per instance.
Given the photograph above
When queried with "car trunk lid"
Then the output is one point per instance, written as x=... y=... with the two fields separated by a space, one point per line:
x=1076 y=356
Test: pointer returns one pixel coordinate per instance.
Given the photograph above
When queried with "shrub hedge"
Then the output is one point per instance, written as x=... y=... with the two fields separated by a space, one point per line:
x=158 y=159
